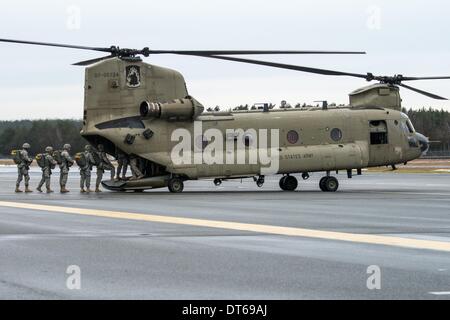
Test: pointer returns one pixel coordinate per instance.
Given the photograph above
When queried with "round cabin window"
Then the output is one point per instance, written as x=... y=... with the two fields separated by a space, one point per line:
x=292 y=137
x=336 y=134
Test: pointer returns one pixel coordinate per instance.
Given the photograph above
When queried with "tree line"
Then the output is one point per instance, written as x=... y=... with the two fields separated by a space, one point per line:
x=433 y=123
x=39 y=134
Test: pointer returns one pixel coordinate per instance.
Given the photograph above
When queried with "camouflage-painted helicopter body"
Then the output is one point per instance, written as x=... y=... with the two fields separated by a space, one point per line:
x=137 y=107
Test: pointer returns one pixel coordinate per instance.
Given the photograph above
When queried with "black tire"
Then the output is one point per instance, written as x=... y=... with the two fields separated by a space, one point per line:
x=290 y=183
x=331 y=184
x=322 y=183
x=281 y=183
x=175 y=185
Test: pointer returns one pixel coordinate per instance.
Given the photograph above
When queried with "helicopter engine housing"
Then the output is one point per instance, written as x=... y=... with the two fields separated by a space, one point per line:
x=178 y=109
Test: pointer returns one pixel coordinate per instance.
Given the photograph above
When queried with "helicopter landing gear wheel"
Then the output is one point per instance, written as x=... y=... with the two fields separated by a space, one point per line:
x=329 y=184
x=288 y=183
x=259 y=181
x=217 y=182
x=281 y=183
x=175 y=185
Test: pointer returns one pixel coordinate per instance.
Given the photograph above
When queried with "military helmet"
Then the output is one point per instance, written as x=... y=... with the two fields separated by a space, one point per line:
x=87 y=147
x=100 y=147
x=26 y=145
x=67 y=146
x=48 y=149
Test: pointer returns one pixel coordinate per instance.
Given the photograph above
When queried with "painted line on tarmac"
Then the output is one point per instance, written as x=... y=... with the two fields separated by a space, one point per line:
x=440 y=293
x=258 y=228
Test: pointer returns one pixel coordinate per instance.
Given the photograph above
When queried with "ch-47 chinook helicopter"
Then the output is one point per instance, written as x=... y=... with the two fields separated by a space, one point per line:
x=135 y=107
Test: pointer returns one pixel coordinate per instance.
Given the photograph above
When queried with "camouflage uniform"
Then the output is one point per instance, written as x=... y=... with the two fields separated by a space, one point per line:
x=66 y=163
x=85 y=172
x=50 y=164
x=122 y=161
x=137 y=174
x=104 y=164
x=23 y=168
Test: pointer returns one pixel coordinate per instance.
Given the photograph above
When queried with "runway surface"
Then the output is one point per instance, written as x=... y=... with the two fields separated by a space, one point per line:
x=236 y=241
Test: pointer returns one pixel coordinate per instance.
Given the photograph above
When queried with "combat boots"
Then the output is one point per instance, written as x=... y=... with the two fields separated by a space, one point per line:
x=28 y=190
x=39 y=189
x=64 y=190
x=18 y=190
x=82 y=190
x=88 y=190
x=97 y=190
x=49 y=190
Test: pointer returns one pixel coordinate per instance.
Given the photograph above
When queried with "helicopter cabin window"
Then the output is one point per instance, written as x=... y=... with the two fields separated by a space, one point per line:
x=378 y=132
x=292 y=136
x=129 y=122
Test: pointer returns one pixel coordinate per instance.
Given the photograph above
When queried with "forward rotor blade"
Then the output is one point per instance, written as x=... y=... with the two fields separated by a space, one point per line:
x=245 y=52
x=428 y=94
x=92 y=61
x=291 y=67
x=48 y=44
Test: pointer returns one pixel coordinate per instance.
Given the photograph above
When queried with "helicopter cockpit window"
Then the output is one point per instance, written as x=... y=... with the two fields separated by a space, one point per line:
x=410 y=126
x=129 y=122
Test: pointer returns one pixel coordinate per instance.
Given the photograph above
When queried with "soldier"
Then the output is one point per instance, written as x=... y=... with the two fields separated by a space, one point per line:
x=49 y=164
x=137 y=174
x=104 y=164
x=85 y=171
x=66 y=163
x=23 y=168
x=122 y=161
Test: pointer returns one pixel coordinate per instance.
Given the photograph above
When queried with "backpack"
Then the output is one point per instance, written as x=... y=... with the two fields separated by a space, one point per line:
x=16 y=156
x=96 y=157
x=41 y=160
x=57 y=156
x=80 y=159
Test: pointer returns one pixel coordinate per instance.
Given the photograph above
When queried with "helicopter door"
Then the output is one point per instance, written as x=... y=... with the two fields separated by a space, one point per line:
x=379 y=142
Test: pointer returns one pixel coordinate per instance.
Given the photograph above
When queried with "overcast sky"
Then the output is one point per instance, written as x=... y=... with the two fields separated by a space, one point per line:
x=406 y=37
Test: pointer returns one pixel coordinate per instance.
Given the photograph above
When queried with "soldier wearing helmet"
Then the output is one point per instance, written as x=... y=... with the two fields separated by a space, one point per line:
x=122 y=165
x=23 y=167
x=49 y=164
x=85 y=171
x=66 y=163
x=104 y=164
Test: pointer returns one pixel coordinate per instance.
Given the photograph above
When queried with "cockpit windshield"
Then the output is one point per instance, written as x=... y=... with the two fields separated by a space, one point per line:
x=410 y=126
x=407 y=125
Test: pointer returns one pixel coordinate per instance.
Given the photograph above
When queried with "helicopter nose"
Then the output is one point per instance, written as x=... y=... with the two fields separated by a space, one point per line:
x=424 y=143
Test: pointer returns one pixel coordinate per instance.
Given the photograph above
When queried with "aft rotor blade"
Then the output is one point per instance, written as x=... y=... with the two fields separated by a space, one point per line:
x=60 y=45
x=291 y=67
x=424 y=78
x=92 y=61
x=428 y=94
x=248 y=52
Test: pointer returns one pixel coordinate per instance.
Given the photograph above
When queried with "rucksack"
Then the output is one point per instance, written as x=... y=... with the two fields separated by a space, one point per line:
x=80 y=159
x=57 y=156
x=40 y=159
x=96 y=157
x=16 y=156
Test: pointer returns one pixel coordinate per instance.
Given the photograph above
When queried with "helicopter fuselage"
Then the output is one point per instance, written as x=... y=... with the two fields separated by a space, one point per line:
x=315 y=139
